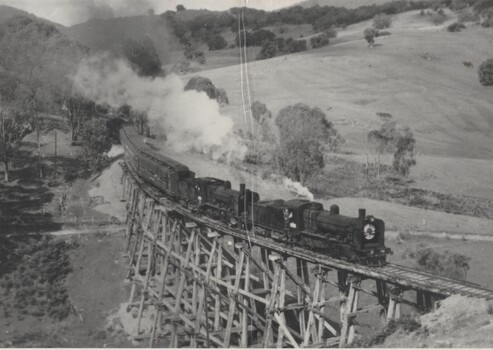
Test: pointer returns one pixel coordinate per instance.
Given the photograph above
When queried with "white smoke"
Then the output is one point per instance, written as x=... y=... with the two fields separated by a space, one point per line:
x=293 y=186
x=190 y=120
x=297 y=188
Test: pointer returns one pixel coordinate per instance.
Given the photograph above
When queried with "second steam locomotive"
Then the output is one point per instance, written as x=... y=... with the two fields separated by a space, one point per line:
x=298 y=222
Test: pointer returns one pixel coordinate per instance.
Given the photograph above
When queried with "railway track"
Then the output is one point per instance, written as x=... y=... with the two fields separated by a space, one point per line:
x=400 y=276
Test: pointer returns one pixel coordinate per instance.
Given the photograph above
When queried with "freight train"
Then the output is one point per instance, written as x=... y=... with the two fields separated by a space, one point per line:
x=297 y=222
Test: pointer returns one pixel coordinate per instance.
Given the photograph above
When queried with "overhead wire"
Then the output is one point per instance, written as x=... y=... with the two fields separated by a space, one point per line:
x=242 y=89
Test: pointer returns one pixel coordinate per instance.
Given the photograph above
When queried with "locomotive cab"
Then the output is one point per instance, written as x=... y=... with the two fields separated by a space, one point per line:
x=296 y=209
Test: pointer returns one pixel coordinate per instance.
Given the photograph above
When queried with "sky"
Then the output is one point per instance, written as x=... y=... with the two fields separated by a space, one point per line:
x=69 y=12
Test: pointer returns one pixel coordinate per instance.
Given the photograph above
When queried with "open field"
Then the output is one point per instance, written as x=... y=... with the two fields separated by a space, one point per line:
x=415 y=75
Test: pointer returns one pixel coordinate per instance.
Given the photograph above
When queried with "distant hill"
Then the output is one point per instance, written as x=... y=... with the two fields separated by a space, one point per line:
x=350 y=4
x=8 y=12
x=110 y=34
x=36 y=58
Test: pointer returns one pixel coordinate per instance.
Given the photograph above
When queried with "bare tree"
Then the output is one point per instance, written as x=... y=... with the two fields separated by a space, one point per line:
x=13 y=127
x=77 y=110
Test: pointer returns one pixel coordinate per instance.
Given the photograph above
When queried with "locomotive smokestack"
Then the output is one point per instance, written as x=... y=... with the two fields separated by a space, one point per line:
x=242 y=188
x=362 y=213
x=334 y=209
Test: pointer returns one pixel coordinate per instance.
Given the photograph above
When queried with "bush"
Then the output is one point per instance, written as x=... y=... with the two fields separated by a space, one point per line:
x=331 y=33
x=293 y=46
x=438 y=18
x=256 y=38
x=216 y=42
x=269 y=50
x=455 y=27
x=382 y=21
x=446 y=264
x=193 y=53
x=95 y=142
x=384 y=33
x=370 y=34
x=467 y=16
x=485 y=72
x=319 y=41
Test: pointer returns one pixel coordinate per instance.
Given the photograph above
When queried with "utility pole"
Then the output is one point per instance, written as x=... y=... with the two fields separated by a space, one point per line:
x=39 y=151
x=55 y=154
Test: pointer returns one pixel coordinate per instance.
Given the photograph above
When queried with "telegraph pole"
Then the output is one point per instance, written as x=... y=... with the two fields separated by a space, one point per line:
x=55 y=153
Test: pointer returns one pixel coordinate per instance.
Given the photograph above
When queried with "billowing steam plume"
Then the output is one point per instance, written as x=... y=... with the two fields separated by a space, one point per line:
x=297 y=188
x=188 y=119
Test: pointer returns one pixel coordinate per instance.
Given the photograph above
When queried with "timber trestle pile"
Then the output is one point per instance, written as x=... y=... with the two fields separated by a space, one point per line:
x=203 y=284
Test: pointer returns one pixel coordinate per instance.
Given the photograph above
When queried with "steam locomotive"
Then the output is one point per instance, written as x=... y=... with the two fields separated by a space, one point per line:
x=299 y=222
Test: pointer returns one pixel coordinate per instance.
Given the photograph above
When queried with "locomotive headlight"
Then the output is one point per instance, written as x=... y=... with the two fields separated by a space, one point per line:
x=369 y=231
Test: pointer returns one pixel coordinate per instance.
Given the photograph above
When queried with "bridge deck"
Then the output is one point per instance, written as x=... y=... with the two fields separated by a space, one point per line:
x=401 y=276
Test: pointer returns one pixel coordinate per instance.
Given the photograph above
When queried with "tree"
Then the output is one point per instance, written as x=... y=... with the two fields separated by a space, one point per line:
x=485 y=72
x=13 y=127
x=143 y=57
x=389 y=138
x=95 y=143
x=77 y=110
x=263 y=117
x=319 y=41
x=300 y=158
x=380 y=141
x=382 y=21
x=180 y=7
x=269 y=50
x=294 y=46
x=404 y=154
x=216 y=42
x=370 y=34
x=331 y=33
x=304 y=135
x=303 y=121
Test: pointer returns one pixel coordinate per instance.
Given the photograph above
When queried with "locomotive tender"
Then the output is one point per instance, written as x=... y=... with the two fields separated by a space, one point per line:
x=299 y=222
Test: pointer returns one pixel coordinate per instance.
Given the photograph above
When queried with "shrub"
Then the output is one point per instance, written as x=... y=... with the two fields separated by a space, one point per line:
x=293 y=46
x=382 y=21
x=331 y=33
x=95 y=142
x=485 y=72
x=269 y=50
x=193 y=53
x=319 y=41
x=455 y=27
x=369 y=34
x=384 y=33
x=216 y=42
x=438 y=18
x=467 y=16
x=446 y=264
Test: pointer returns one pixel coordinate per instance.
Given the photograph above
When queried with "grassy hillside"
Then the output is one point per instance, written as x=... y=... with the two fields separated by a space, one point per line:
x=36 y=59
x=7 y=12
x=350 y=4
x=110 y=34
x=416 y=75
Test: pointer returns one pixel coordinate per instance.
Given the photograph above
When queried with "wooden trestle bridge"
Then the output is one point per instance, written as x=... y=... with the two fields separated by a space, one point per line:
x=207 y=285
